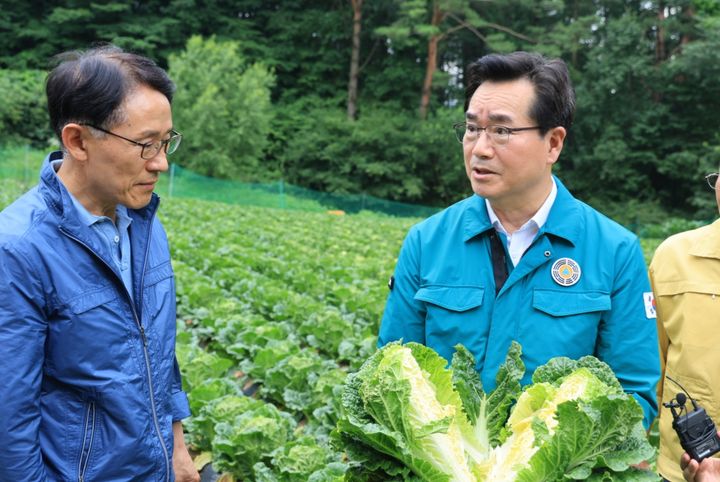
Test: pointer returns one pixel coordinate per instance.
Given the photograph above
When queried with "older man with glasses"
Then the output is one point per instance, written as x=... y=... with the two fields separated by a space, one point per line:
x=685 y=276
x=91 y=387
x=522 y=259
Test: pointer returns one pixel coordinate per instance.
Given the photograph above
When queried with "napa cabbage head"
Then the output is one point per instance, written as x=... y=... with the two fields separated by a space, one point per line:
x=575 y=421
x=402 y=394
x=402 y=403
x=533 y=421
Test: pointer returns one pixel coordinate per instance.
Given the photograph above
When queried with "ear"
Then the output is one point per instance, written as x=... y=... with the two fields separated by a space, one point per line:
x=556 y=140
x=74 y=139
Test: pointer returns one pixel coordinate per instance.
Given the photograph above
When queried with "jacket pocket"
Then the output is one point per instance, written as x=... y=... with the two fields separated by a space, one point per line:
x=564 y=303
x=697 y=388
x=158 y=288
x=452 y=313
x=92 y=299
x=87 y=441
x=83 y=330
x=688 y=311
x=452 y=298
x=702 y=286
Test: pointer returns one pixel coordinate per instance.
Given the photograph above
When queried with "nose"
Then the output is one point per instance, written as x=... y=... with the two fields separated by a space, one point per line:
x=483 y=147
x=159 y=163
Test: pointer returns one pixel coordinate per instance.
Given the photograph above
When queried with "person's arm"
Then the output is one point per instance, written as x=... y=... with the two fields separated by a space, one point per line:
x=183 y=466
x=23 y=329
x=404 y=317
x=180 y=403
x=663 y=340
x=627 y=340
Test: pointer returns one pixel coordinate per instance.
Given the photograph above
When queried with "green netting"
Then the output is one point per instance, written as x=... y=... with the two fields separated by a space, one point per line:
x=23 y=164
x=20 y=164
x=182 y=182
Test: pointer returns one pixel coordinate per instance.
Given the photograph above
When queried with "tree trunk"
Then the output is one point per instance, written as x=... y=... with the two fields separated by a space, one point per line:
x=354 y=60
x=437 y=18
x=576 y=48
x=688 y=12
x=660 y=38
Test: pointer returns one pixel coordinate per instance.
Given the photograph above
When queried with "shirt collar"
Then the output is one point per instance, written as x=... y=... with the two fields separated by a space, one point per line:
x=537 y=220
x=563 y=220
x=86 y=217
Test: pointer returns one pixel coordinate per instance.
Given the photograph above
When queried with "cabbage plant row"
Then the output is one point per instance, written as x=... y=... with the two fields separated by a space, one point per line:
x=275 y=308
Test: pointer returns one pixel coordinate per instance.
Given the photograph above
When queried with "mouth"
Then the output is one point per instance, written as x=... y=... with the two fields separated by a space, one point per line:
x=481 y=172
x=150 y=185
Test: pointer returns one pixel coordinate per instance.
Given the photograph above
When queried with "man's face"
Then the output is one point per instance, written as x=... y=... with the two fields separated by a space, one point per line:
x=507 y=174
x=115 y=171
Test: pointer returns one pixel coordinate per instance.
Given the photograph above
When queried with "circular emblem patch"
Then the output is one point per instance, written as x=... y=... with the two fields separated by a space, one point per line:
x=566 y=272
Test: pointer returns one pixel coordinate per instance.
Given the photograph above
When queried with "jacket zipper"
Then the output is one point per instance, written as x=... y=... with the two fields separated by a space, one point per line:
x=144 y=340
x=85 y=451
x=147 y=362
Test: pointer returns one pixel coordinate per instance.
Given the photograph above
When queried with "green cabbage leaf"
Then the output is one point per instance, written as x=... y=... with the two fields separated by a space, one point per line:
x=406 y=415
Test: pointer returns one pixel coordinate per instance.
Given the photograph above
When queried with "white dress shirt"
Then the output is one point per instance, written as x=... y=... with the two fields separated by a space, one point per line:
x=520 y=240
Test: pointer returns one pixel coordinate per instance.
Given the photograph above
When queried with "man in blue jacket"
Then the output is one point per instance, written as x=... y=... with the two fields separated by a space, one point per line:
x=91 y=388
x=522 y=259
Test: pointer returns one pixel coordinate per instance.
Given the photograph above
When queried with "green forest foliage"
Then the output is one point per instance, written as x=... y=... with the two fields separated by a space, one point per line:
x=263 y=89
x=224 y=106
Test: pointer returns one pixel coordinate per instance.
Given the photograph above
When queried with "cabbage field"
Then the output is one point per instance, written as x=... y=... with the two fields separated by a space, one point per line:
x=277 y=305
x=275 y=309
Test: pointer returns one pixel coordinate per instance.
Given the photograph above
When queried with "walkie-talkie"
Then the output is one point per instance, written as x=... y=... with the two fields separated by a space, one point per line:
x=696 y=430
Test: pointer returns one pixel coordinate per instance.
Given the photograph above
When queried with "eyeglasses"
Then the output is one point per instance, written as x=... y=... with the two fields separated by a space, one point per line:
x=150 y=149
x=712 y=179
x=497 y=134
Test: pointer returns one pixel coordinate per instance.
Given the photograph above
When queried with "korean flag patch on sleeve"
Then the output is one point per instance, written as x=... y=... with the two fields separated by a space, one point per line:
x=649 y=301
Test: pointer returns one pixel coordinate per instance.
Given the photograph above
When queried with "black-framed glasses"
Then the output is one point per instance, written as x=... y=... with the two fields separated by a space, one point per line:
x=149 y=149
x=712 y=179
x=497 y=134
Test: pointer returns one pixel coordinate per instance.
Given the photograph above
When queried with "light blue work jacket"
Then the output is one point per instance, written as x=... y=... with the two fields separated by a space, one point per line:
x=443 y=294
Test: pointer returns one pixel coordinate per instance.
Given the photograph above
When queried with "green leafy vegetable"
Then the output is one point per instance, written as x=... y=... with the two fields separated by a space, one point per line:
x=402 y=403
x=406 y=415
x=250 y=438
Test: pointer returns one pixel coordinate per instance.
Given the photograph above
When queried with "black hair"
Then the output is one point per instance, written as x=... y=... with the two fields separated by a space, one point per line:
x=91 y=86
x=554 y=94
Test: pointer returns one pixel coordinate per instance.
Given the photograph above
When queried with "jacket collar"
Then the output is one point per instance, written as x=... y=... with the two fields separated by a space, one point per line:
x=708 y=246
x=563 y=220
x=475 y=218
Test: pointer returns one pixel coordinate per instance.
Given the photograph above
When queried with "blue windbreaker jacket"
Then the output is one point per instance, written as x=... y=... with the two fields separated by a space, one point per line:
x=90 y=384
x=444 y=294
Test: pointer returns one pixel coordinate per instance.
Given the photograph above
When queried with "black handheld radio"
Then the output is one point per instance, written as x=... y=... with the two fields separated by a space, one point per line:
x=695 y=429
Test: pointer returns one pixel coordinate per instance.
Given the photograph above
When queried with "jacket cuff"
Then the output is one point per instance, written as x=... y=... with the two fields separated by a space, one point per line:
x=180 y=406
